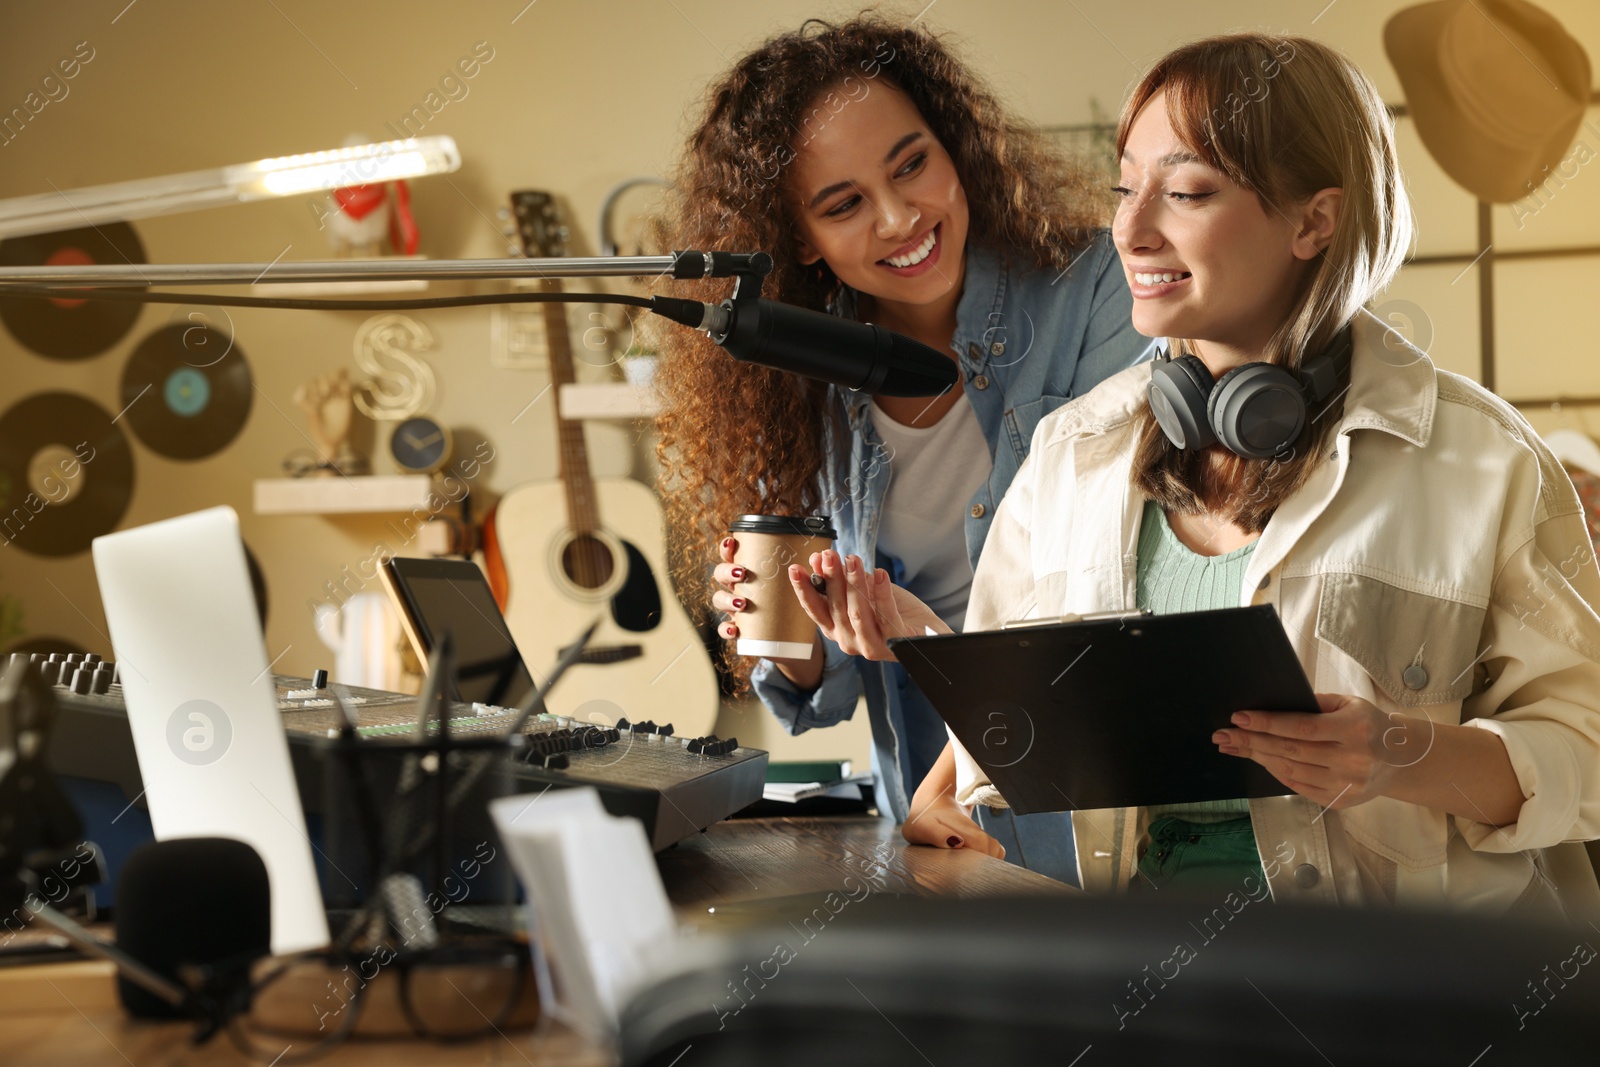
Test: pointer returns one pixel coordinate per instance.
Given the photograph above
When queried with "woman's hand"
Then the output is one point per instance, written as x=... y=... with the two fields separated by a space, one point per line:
x=1344 y=756
x=728 y=576
x=858 y=609
x=806 y=674
x=943 y=823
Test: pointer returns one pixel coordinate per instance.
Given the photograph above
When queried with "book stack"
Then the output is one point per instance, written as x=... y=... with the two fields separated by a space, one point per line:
x=791 y=782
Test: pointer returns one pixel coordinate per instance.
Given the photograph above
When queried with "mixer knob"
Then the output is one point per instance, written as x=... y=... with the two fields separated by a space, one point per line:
x=83 y=680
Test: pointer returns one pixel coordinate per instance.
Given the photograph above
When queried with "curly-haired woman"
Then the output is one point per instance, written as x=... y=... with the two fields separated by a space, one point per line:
x=889 y=186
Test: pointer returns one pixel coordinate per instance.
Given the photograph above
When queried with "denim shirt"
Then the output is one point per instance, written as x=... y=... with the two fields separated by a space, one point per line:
x=1026 y=341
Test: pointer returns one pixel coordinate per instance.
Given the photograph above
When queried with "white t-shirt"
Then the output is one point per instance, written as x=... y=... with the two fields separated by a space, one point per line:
x=933 y=472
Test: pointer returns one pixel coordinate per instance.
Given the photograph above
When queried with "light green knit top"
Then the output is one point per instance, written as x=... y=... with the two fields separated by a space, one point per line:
x=1172 y=577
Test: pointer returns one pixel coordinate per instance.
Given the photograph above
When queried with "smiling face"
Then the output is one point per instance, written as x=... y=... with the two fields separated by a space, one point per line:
x=876 y=196
x=1206 y=259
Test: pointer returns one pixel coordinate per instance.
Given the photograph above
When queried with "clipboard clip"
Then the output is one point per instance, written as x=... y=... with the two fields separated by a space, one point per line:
x=1057 y=620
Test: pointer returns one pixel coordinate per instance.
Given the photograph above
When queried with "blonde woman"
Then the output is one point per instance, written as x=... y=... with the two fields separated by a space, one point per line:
x=1424 y=550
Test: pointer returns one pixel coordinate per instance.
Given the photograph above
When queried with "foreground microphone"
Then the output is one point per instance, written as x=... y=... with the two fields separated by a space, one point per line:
x=856 y=355
x=196 y=900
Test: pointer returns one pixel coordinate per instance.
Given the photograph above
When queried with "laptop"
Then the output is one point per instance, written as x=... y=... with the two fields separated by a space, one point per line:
x=202 y=706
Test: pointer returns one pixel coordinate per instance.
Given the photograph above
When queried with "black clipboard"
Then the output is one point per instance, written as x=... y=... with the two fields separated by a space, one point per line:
x=1112 y=712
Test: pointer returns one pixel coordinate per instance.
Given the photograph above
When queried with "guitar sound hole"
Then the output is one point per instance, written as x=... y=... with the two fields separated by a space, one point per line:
x=587 y=562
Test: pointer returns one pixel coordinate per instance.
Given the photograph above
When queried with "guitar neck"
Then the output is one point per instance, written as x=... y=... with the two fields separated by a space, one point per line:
x=541 y=235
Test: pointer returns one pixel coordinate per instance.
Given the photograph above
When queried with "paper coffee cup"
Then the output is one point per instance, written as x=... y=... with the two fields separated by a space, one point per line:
x=775 y=625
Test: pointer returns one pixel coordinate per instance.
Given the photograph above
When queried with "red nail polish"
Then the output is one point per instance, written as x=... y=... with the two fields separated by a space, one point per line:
x=738 y=574
x=953 y=841
x=727 y=542
x=739 y=602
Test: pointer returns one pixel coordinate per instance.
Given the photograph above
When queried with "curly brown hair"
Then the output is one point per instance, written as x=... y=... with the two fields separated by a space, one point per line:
x=738 y=438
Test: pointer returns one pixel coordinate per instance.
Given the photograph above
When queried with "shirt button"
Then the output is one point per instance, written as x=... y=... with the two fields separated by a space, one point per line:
x=975 y=350
x=977 y=511
x=998 y=348
x=1415 y=676
x=1306 y=876
x=981 y=381
x=1266 y=580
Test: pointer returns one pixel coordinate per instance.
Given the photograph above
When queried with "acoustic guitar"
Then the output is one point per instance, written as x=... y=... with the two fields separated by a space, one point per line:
x=559 y=553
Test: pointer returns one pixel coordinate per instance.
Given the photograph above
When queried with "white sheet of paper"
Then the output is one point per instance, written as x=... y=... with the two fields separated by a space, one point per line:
x=595 y=899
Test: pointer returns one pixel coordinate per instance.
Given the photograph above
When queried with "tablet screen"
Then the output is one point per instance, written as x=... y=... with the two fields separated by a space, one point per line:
x=452 y=595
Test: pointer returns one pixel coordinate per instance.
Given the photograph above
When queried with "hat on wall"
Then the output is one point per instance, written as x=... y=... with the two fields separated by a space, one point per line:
x=1497 y=89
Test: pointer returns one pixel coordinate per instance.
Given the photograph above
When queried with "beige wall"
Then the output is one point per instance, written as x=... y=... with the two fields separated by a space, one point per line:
x=577 y=97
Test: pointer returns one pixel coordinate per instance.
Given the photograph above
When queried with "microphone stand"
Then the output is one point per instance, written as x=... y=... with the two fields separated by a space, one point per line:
x=750 y=329
x=214 y=995
x=679 y=265
x=131 y=968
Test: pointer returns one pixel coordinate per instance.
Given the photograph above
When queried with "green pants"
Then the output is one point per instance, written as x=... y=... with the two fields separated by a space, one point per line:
x=1198 y=855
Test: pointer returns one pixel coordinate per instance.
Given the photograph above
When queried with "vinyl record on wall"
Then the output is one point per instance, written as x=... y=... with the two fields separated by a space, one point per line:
x=66 y=473
x=70 y=329
x=187 y=391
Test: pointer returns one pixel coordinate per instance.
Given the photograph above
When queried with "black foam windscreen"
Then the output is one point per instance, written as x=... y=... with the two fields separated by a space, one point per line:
x=198 y=900
x=857 y=355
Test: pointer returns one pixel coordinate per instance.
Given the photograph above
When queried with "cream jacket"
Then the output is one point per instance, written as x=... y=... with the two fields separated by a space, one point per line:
x=1438 y=534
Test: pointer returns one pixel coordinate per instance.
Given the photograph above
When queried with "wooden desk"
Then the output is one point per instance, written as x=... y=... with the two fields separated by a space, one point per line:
x=68 y=1013
x=751 y=859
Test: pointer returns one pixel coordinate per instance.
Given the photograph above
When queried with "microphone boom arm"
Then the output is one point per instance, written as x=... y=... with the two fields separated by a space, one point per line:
x=852 y=355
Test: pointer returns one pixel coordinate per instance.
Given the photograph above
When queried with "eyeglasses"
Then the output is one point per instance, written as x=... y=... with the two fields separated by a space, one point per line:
x=303 y=1007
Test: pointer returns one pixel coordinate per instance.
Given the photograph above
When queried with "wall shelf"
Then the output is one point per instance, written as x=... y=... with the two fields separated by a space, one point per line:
x=357 y=494
x=608 y=400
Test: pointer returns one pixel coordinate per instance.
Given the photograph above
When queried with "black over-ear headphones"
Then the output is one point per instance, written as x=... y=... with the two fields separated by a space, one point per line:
x=1256 y=410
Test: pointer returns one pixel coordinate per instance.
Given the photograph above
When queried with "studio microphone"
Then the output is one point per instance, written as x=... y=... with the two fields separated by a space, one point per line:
x=856 y=355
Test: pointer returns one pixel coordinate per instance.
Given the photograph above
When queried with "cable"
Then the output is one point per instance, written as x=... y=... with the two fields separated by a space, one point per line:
x=140 y=296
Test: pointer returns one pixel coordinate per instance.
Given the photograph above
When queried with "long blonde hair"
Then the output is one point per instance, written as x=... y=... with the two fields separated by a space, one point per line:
x=1282 y=117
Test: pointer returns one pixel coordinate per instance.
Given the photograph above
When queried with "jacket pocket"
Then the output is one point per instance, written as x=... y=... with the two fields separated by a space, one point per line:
x=1418 y=648
x=1022 y=419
